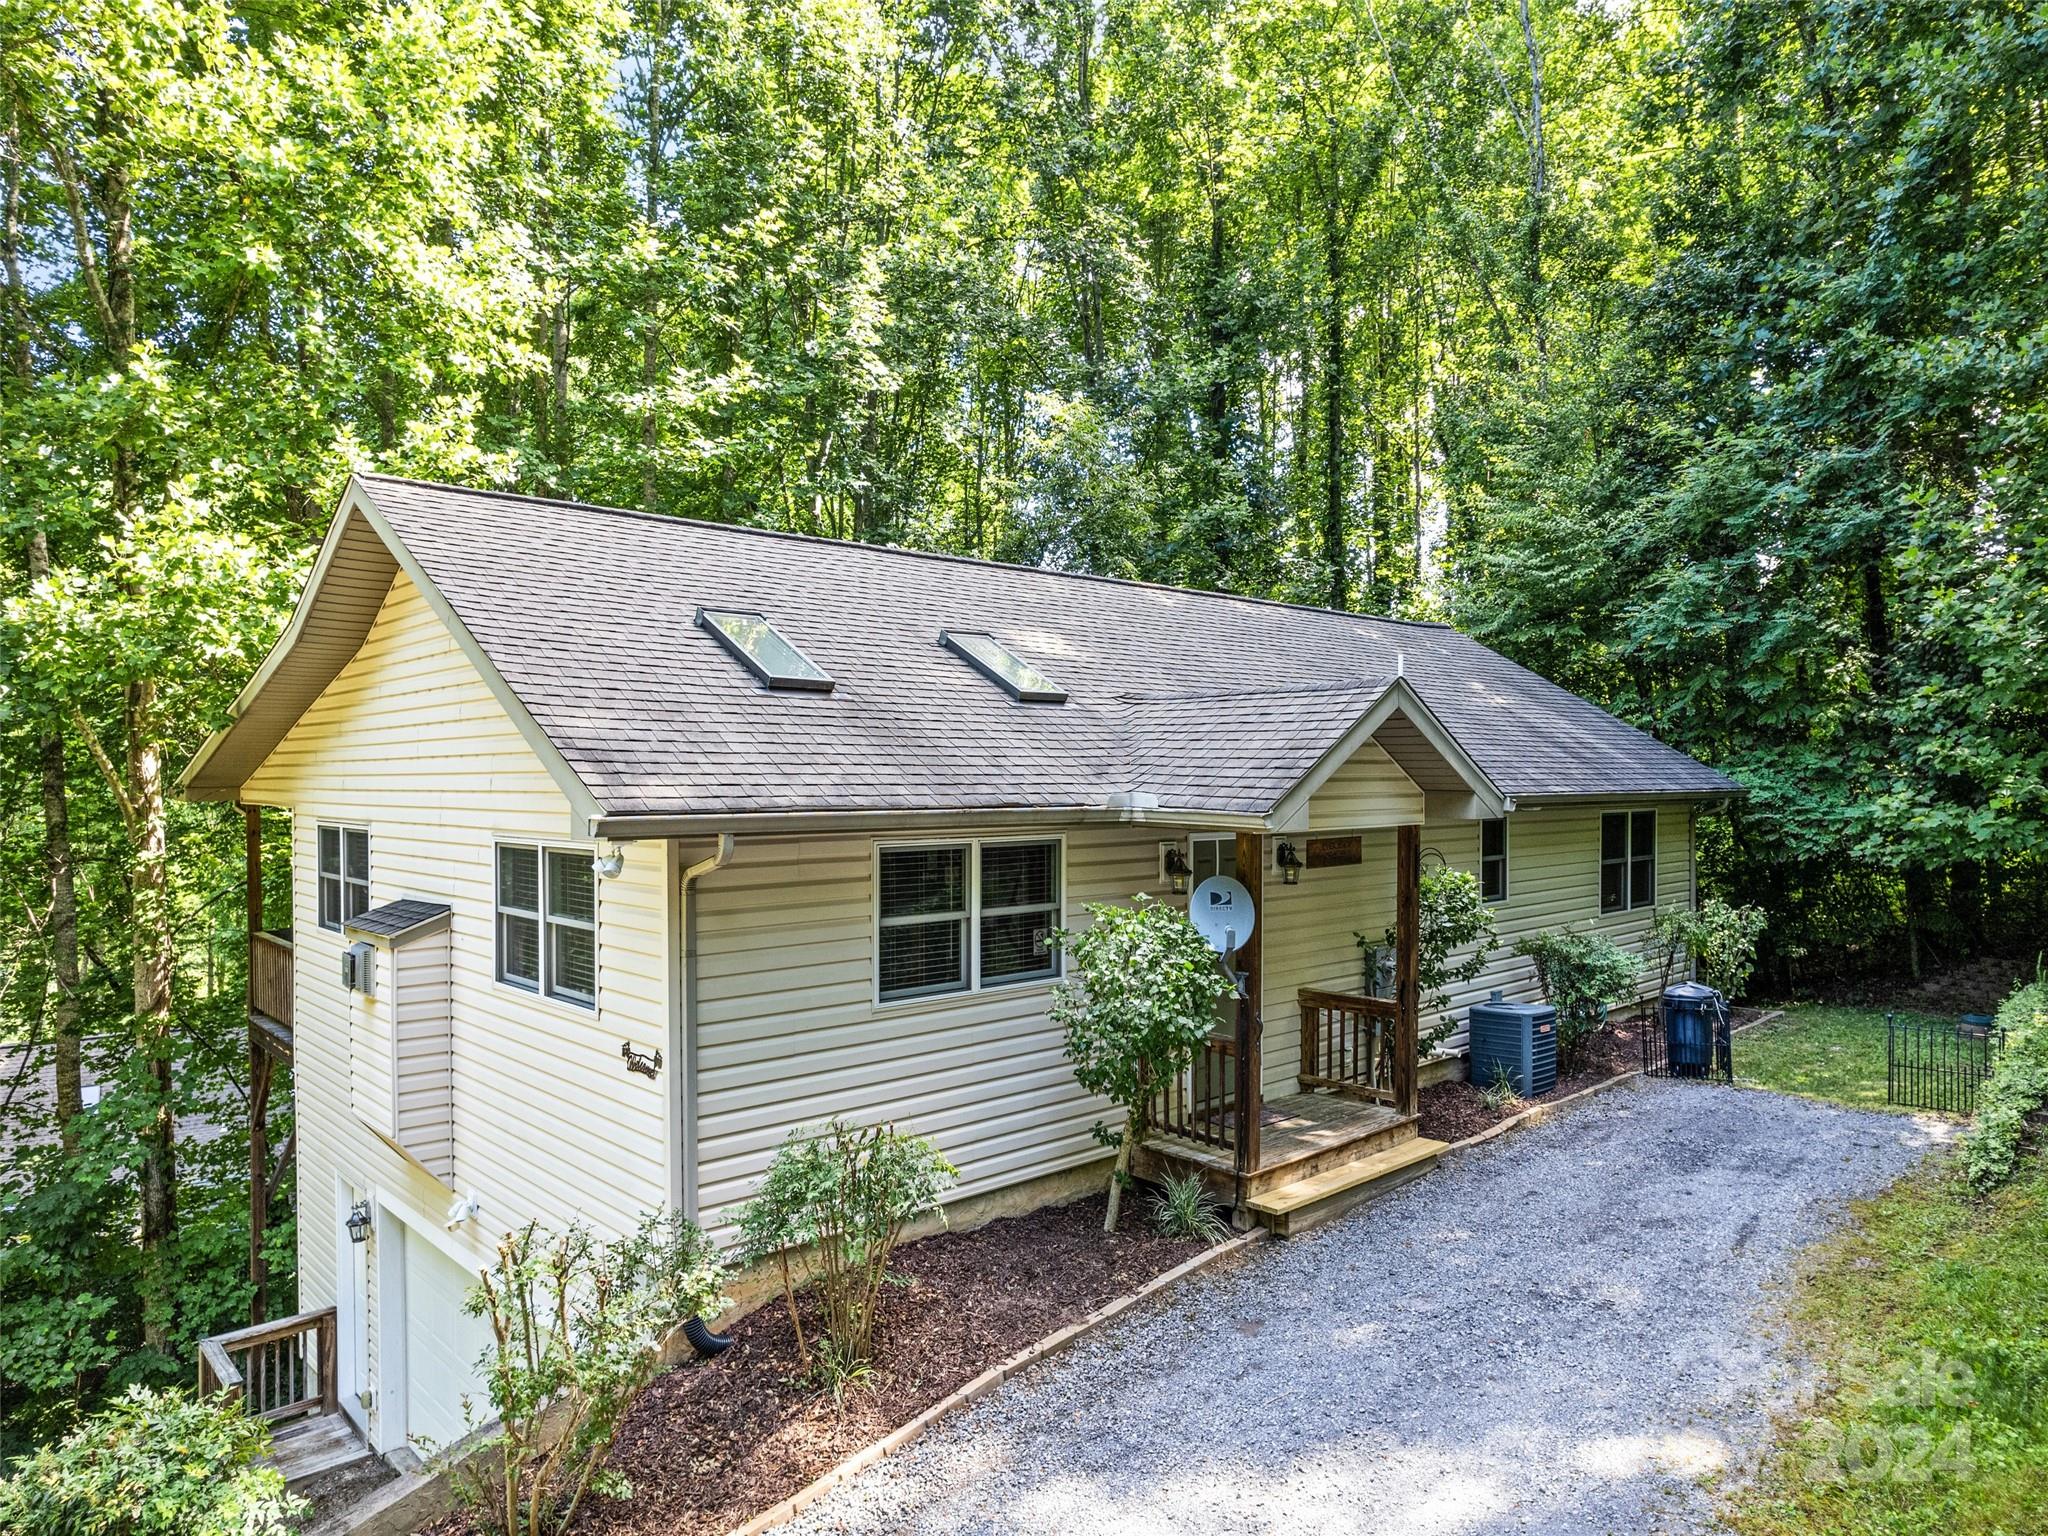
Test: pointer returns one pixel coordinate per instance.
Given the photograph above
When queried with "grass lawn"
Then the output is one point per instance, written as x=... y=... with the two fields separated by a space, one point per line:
x=1820 y=1052
x=1930 y=1318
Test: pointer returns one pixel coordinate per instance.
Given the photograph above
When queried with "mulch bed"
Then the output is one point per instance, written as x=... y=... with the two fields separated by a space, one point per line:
x=1454 y=1111
x=711 y=1444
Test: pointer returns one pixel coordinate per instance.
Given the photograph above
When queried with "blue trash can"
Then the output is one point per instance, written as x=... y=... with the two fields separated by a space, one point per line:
x=1692 y=1012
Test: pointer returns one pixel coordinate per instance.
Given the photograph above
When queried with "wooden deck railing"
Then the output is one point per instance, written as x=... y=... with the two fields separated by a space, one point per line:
x=1351 y=1045
x=1201 y=1104
x=270 y=976
x=276 y=1370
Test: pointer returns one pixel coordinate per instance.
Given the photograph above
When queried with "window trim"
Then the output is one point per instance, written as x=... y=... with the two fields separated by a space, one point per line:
x=975 y=986
x=341 y=830
x=1627 y=861
x=1504 y=857
x=544 y=988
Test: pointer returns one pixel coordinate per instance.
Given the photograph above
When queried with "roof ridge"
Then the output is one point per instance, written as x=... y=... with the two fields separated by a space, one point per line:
x=682 y=520
x=1378 y=681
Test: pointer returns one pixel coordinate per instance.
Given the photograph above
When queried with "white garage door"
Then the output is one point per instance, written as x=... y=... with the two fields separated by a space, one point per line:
x=442 y=1344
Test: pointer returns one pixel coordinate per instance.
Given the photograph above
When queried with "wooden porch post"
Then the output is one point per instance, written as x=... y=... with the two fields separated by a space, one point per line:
x=1251 y=864
x=259 y=1074
x=1407 y=963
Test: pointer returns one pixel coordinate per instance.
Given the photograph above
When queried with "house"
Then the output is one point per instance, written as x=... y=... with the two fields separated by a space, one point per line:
x=623 y=845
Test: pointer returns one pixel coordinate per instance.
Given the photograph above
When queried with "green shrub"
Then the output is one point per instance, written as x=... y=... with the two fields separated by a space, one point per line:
x=153 y=1464
x=577 y=1326
x=2018 y=1086
x=1452 y=915
x=1141 y=1005
x=1580 y=974
x=1182 y=1208
x=1720 y=940
x=845 y=1193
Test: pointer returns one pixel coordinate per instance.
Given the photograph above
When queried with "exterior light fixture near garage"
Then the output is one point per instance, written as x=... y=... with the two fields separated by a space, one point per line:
x=763 y=651
x=1003 y=667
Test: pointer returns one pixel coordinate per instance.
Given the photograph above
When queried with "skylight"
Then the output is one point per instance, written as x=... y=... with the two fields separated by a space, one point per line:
x=1002 y=666
x=763 y=651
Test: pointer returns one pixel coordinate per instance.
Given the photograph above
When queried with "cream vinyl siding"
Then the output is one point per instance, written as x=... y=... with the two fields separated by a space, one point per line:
x=543 y=1117
x=1370 y=790
x=789 y=1034
x=1553 y=882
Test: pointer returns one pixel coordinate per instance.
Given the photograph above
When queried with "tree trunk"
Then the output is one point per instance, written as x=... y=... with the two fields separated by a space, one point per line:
x=650 y=332
x=1336 y=548
x=154 y=941
x=63 y=923
x=1539 y=188
x=1118 y=1174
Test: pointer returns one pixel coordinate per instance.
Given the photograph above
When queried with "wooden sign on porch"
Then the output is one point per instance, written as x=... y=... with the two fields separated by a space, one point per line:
x=1324 y=852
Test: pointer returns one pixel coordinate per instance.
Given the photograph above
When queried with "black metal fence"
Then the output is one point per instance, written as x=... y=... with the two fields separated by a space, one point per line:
x=1934 y=1064
x=1695 y=1048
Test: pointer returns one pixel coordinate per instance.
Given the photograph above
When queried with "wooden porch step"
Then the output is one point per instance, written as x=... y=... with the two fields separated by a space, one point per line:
x=311 y=1448
x=1291 y=1209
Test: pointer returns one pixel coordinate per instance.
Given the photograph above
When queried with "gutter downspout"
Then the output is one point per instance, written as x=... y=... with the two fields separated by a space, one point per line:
x=683 y=1026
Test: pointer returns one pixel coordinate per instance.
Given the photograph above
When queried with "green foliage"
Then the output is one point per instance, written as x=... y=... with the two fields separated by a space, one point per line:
x=1718 y=939
x=1926 y=1315
x=839 y=1198
x=1141 y=1003
x=1580 y=974
x=1500 y=1096
x=153 y=1463
x=1182 y=1207
x=577 y=1326
x=2016 y=1090
x=1453 y=915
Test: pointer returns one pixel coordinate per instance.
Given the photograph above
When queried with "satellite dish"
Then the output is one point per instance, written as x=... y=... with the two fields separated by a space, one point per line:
x=1221 y=910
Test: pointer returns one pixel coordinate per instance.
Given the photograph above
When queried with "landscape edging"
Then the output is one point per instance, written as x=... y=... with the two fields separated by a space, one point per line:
x=1536 y=1114
x=982 y=1385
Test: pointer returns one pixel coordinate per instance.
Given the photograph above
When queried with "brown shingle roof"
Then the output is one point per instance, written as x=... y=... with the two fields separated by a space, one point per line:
x=1206 y=700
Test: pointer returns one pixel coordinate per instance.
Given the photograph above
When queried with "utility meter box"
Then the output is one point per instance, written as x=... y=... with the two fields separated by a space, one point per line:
x=359 y=968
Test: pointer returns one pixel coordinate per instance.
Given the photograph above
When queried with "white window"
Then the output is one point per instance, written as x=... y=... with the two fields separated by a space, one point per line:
x=1493 y=860
x=954 y=917
x=1628 y=860
x=1211 y=854
x=344 y=875
x=547 y=921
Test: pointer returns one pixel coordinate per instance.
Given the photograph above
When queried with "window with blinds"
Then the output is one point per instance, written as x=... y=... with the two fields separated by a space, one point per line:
x=1493 y=860
x=955 y=917
x=547 y=921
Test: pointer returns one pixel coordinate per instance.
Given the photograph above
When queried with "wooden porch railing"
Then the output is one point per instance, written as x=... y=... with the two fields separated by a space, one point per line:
x=270 y=976
x=1353 y=1045
x=1216 y=1101
x=276 y=1370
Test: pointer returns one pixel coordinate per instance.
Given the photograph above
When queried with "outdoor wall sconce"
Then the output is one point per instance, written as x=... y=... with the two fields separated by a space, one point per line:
x=1289 y=862
x=1177 y=870
x=359 y=1222
x=636 y=1061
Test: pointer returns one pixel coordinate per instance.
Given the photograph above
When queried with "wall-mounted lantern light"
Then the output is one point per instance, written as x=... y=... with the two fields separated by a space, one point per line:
x=1289 y=862
x=1177 y=870
x=359 y=1222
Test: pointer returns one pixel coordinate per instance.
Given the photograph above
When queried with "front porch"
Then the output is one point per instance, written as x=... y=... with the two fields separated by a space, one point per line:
x=1290 y=1160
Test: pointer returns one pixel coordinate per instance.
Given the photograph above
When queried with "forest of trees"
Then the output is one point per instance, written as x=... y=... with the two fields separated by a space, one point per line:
x=1692 y=354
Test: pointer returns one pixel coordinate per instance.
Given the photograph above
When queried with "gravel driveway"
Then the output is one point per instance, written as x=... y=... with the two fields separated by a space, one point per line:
x=1555 y=1332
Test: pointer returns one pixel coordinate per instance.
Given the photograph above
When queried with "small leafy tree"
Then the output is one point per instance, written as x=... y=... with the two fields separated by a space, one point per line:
x=154 y=1463
x=1580 y=974
x=577 y=1326
x=1141 y=1005
x=2016 y=1091
x=1453 y=915
x=1718 y=939
x=845 y=1193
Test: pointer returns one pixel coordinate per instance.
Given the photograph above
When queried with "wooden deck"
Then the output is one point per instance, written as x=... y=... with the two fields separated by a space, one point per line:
x=310 y=1448
x=1300 y=1135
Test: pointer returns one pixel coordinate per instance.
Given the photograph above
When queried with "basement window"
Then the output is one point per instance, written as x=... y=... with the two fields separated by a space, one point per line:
x=763 y=651
x=1002 y=666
